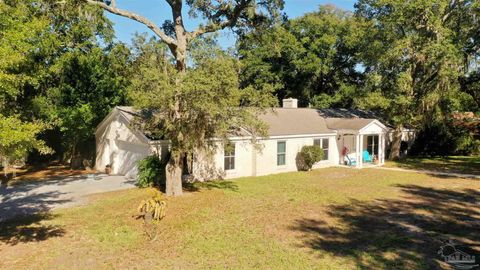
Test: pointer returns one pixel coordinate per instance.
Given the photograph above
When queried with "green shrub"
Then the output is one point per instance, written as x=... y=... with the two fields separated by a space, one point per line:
x=309 y=155
x=151 y=171
x=444 y=139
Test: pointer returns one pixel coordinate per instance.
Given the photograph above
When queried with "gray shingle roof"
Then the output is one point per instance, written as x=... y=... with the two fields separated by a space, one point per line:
x=298 y=121
x=286 y=121
x=347 y=123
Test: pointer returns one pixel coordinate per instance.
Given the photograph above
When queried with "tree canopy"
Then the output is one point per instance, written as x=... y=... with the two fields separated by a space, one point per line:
x=312 y=58
x=413 y=62
x=60 y=67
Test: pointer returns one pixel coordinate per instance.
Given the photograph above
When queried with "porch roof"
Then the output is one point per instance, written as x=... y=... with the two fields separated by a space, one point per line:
x=353 y=125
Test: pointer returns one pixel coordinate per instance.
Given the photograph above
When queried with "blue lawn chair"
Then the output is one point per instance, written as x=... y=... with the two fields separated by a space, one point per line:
x=366 y=157
x=350 y=161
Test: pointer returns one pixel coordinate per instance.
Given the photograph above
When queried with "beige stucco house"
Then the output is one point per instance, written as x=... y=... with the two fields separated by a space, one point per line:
x=344 y=140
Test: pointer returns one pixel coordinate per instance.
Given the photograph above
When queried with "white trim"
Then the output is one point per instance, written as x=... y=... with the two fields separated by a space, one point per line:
x=276 y=137
x=357 y=150
x=104 y=121
x=141 y=136
x=321 y=146
x=234 y=159
x=382 y=126
x=108 y=119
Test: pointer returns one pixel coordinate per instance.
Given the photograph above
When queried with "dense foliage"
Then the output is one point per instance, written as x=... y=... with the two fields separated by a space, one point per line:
x=17 y=138
x=151 y=172
x=308 y=156
x=413 y=62
x=312 y=58
x=207 y=97
x=60 y=67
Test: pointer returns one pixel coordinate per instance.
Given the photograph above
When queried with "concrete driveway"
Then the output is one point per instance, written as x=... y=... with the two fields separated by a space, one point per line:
x=32 y=197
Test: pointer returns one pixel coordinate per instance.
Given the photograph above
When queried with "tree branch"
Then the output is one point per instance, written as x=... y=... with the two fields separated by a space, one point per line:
x=230 y=22
x=127 y=14
x=451 y=7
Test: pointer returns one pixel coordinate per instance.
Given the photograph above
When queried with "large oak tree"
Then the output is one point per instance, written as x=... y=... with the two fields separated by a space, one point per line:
x=187 y=123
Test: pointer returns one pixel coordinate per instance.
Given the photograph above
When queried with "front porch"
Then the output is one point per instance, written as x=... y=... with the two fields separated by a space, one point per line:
x=362 y=147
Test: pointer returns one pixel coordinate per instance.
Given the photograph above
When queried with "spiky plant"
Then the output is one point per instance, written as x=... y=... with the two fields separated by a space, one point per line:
x=152 y=211
x=153 y=208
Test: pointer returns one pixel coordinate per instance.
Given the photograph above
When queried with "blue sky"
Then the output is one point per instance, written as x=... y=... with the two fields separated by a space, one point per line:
x=158 y=11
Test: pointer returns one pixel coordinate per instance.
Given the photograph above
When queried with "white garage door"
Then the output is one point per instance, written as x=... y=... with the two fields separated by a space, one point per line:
x=127 y=157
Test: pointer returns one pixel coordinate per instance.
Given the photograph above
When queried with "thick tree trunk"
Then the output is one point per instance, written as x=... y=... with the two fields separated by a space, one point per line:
x=396 y=142
x=174 y=175
x=180 y=50
x=174 y=167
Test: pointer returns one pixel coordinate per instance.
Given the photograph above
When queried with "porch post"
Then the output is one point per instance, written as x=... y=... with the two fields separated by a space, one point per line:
x=357 y=150
x=361 y=151
x=380 y=148
x=381 y=140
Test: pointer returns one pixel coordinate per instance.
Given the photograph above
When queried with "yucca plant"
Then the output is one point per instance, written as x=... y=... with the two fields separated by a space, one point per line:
x=153 y=209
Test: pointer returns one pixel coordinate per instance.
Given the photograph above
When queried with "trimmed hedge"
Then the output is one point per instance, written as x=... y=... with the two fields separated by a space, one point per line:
x=309 y=155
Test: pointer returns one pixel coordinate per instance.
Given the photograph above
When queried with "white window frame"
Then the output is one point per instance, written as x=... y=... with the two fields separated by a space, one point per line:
x=373 y=145
x=230 y=156
x=322 y=144
x=282 y=153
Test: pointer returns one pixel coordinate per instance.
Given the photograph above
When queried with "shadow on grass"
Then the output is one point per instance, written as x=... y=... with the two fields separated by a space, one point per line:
x=209 y=185
x=28 y=229
x=397 y=234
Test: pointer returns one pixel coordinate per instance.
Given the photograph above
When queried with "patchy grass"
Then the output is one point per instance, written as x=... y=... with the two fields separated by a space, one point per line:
x=452 y=164
x=334 y=218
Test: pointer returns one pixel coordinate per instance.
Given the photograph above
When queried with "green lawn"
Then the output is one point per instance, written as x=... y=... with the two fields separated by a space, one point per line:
x=453 y=164
x=335 y=218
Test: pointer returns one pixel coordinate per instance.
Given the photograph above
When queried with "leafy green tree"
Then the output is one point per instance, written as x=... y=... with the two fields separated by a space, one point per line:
x=214 y=105
x=17 y=138
x=181 y=105
x=58 y=64
x=20 y=32
x=413 y=55
x=312 y=58
x=88 y=85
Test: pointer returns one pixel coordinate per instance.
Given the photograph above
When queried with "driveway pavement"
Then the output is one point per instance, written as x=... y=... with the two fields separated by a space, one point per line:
x=32 y=197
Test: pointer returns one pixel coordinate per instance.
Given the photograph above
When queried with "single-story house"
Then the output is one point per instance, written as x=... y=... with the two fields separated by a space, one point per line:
x=345 y=141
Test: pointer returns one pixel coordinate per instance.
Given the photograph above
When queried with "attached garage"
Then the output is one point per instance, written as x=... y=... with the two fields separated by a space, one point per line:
x=120 y=146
